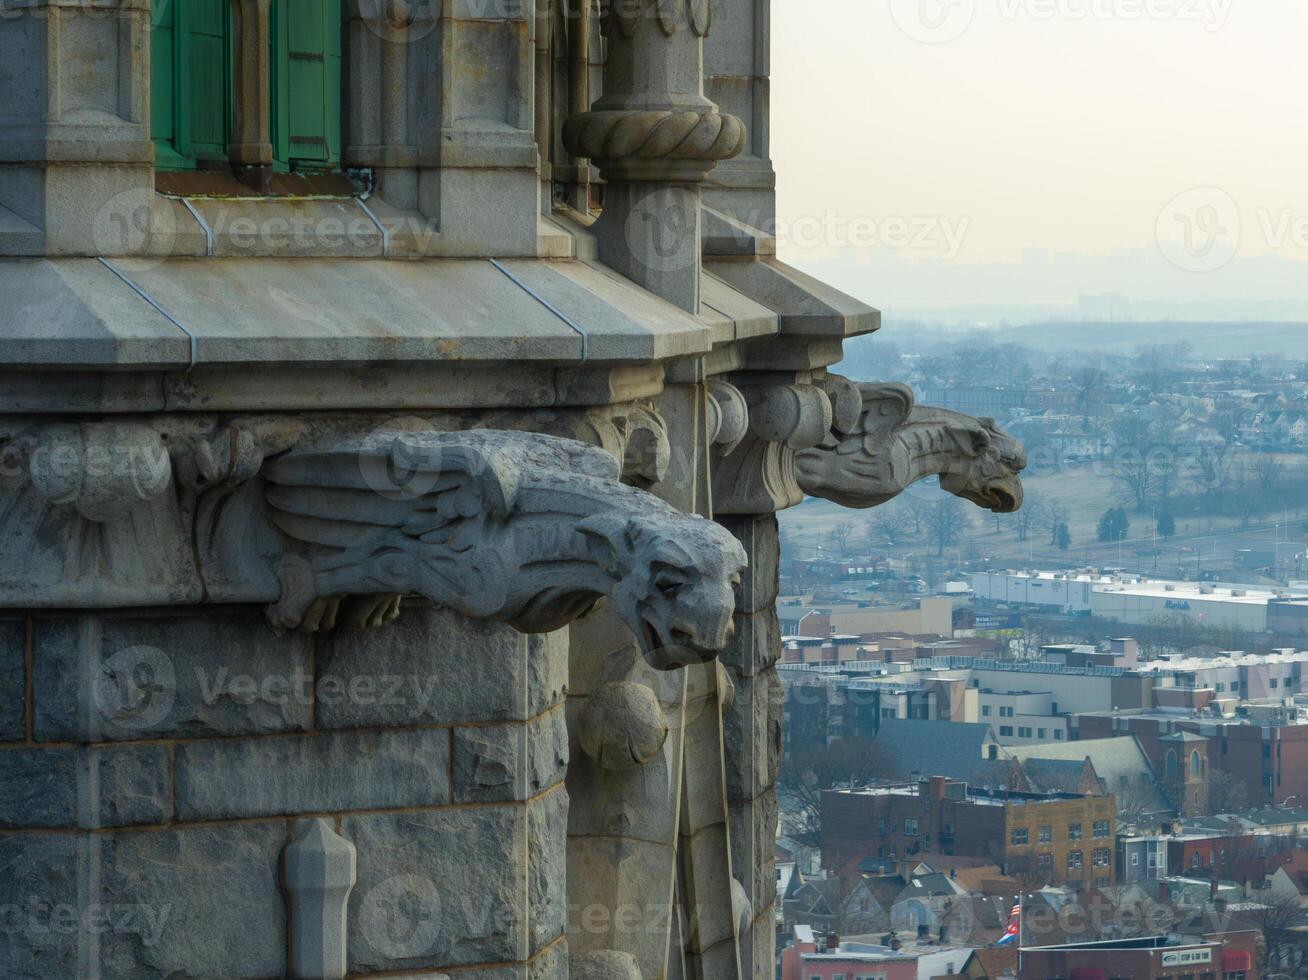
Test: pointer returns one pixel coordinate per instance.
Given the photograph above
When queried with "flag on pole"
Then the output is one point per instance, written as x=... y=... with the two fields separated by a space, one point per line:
x=1014 y=926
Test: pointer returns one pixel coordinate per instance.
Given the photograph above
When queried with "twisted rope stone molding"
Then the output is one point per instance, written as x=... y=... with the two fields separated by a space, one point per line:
x=892 y=442
x=656 y=144
x=627 y=14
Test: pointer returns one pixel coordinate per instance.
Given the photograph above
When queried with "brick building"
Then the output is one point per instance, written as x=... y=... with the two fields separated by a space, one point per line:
x=1058 y=838
x=1270 y=758
x=1233 y=956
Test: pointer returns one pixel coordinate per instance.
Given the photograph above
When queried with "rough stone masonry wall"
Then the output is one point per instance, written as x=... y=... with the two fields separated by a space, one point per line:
x=752 y=737
x=155 y=765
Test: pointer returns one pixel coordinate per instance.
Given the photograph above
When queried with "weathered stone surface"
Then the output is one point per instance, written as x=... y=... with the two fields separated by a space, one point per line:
x=751 y=731
x=105 y=676
x=762 y=542
x=84 y=787
x=438 y=889
x=547 y=751
x=39 y=878
x=489 y=763
x=13 y=679
x=753 y=836
x=756 y=646
x=550 y=964
x=212 y=896
x=547 y=882
x=605 y=964
x=547 y=671
x=312 y=774
x=440 y=667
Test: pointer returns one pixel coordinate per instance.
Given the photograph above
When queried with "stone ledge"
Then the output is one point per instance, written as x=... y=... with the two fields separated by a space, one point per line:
x=77 y=313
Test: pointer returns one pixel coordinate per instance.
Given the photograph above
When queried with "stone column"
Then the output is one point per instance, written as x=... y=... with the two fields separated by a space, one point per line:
x=251 y=144
x=654 y=137
x=753 y=480
x=76 y=162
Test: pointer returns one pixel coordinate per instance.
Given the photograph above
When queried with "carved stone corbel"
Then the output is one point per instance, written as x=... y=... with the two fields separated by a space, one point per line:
x=893 y=443
x=513 y=527
x=728 y=417
x=757 y=476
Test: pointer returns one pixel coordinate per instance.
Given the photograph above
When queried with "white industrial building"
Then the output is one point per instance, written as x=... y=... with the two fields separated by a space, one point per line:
x=1067 y=592
x=1159 y=603
x=1132 y=600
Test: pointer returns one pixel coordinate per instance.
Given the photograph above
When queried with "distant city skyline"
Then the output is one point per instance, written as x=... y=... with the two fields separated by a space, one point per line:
x=1023 y=153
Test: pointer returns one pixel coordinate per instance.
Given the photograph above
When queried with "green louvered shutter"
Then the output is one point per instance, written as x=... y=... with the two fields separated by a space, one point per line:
x=205 y=64
x=189 y=80
x=306 y=82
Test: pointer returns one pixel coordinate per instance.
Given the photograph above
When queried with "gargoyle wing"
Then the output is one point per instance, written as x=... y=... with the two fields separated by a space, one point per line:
x=391 y=514
x=357 y=497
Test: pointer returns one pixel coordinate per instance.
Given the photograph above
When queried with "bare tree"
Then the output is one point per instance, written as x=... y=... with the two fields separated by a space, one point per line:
x=946 y=519
x=917 y=508
x=807 y=773
x=890 y=522
x=1089 y=383
x=840 y=535
x=1226 y=793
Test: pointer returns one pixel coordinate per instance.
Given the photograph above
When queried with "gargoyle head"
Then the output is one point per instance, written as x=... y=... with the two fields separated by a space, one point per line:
x=990 y=474
x=675 y=581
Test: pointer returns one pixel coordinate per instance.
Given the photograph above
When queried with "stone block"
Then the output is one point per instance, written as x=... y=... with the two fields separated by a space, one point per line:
x=435 y=666
x=438 y=889
x=85 y=787
x=753 y=837
x=547 y=671
x=547 y=882
x=106 y=677
x=550 y=964
x=312 y=774
x=547 y=751
x=13 y=679
x=489 y=763
x=200 y=903
x=756 y=645
x=207 y=899
x=751 y=733
x=42 y=933
x=762 y=541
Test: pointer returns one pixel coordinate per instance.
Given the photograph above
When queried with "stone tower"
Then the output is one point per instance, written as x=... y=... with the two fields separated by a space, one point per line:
x=395 y=404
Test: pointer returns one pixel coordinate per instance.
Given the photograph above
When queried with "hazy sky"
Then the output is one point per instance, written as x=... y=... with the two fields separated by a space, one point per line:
x=967 y=131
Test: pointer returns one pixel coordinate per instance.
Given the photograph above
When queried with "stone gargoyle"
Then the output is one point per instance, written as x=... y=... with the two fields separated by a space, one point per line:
x=895 y=443
x=521 y=528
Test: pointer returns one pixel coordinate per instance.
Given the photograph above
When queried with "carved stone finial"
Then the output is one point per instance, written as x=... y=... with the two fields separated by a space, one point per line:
x=622 y=726
x=320 y=869
x=514 y=527
x=894 y=443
